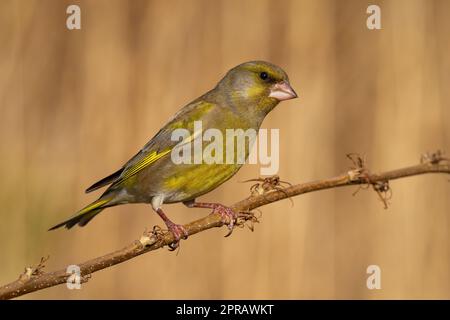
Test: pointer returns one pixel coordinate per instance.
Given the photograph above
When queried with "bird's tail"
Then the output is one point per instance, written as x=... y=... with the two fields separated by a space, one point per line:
x=85 y=215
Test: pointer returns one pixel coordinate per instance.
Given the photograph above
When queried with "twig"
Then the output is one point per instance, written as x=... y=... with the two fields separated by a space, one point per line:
x=35 y=279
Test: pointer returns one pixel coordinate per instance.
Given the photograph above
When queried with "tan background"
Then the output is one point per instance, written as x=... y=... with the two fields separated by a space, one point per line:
x=75 y=105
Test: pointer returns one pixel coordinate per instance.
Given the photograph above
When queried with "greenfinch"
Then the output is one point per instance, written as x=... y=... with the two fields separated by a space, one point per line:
x=241 y=100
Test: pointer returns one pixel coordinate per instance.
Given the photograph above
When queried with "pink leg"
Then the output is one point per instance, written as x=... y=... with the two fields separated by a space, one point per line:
x=177 y=230
x=228 y=215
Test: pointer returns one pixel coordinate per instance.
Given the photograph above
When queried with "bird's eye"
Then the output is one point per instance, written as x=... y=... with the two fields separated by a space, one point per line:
x=263 y=75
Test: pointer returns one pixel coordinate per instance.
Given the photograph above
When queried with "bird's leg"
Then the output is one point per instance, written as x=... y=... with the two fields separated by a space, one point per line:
x=227 y=214
x=177 y=230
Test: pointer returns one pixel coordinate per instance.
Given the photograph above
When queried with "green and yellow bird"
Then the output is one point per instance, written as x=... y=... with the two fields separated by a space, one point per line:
x=241 y=100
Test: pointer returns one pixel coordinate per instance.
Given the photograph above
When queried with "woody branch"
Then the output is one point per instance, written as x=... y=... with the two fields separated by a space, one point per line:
x=267 y=191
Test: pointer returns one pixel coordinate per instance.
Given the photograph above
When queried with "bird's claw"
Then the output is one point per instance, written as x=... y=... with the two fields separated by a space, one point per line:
x=179 y=232
x=228 y=217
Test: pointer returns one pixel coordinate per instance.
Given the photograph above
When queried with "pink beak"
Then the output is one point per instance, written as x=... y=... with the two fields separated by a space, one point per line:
x=282 y=91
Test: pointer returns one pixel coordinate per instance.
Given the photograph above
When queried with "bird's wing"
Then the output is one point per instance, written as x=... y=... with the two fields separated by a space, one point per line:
x=105 y=181
x=160 y=145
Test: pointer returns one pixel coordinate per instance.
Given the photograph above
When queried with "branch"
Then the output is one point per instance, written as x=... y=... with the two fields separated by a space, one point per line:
x=266 y=191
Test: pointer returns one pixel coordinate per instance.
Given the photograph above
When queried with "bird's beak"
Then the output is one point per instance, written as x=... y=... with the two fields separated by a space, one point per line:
x=282 y=91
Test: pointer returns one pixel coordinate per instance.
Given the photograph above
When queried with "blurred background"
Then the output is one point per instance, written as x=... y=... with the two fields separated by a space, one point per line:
x=76 y=104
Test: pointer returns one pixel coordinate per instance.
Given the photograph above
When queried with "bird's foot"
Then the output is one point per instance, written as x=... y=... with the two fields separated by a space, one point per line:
x=228 y=216
x=179 y=232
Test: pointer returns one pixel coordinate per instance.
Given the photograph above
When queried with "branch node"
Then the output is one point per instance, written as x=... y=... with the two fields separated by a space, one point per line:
x=150 y=238
x=146 y=241
x=433 y=158
x=354 y=175
x=248 y=219
x=360 y=173
x=384 y=191
x=267 y=185
x=34 y=271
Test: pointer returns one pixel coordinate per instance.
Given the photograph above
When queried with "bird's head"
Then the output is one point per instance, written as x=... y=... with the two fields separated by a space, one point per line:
x=256 y=85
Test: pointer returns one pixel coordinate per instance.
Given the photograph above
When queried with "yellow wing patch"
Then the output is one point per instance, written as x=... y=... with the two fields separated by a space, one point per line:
x=144 y=162
x=93 y=206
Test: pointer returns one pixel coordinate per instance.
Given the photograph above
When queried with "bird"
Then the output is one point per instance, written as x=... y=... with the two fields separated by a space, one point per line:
x=240 y=100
